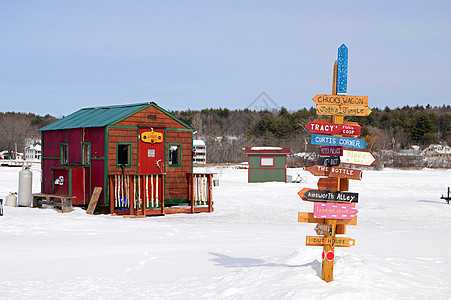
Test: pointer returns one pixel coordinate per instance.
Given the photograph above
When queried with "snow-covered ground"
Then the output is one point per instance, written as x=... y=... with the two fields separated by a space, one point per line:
x=251 y=247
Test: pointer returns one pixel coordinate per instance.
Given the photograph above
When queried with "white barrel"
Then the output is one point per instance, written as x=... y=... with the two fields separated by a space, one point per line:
x=11 y=199
x=25 y=179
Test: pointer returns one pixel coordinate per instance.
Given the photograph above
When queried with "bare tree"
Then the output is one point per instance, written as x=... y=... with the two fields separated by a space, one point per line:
x=14 y=130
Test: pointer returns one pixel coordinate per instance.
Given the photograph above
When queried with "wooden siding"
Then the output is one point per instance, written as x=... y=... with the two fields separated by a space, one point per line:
x=51 y=142
x=122 y=135
x=176 y=177
x=141 y=119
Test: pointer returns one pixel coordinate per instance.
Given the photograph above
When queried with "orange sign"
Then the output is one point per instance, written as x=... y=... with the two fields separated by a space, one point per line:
x=334 y=241
x=306 y=217
x=322 y=109
x=347 y=100
x=151 y=137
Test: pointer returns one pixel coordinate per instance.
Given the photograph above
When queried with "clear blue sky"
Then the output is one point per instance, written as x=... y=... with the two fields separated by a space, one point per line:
x=59 y=56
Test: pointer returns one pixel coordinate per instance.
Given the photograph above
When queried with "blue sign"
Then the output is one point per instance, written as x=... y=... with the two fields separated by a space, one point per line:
x=328 y=140
x=342 y=72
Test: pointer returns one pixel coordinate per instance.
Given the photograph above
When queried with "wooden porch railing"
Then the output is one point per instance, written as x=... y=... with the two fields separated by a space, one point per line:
x=142 y=195
x=137 y=194
x=200 y=190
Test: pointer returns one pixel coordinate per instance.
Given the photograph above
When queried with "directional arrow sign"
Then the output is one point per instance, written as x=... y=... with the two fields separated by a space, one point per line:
x=306 y=217
x=323 y=109
x=334 y=241
x=360 y=158
x=323 y=126
x=319 y=170
x=323 y=229
x=347 y=100
x=346 y=142
x=345 y=173
x=335 y=172
x=334 y=211
x=324 y=196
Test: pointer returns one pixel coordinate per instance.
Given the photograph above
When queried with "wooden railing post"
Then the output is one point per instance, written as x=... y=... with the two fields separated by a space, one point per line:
x=191 y=191
x=210 y=192
x=143 y=201
x=162 y=193
x=131 y=187
x=111 y=193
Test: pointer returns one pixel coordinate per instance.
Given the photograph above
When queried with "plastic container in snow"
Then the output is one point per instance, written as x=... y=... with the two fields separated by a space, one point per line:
x=11 y=199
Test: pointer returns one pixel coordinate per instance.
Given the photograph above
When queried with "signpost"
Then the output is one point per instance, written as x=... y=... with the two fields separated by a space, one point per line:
x=324 y=196
x=330 y=211
x=334 y=211
x=360 y=158
x=346 y=142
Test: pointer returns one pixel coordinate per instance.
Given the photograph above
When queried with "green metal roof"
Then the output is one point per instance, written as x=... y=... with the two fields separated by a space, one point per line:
x=103 y=116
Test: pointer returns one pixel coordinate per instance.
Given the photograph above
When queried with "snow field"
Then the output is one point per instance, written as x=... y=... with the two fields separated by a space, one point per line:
x=251 y=247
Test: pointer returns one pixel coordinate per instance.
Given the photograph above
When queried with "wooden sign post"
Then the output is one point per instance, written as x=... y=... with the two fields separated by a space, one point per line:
x=334 y=208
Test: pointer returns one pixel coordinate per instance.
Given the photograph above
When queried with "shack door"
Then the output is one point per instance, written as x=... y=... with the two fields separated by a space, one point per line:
x=151 y=151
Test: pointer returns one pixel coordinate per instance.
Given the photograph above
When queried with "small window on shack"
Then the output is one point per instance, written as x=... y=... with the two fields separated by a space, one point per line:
x=124 y=155
x=86 y=154
x=175 y=158
x=64 y=154
x=267 y=161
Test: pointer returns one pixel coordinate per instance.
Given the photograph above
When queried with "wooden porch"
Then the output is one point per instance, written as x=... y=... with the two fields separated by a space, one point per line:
x=144 y=195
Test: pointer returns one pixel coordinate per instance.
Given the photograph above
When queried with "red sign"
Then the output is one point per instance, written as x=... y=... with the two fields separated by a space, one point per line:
x=328 y=184
x=331 y=150
x=330 y=128
x=330 y=255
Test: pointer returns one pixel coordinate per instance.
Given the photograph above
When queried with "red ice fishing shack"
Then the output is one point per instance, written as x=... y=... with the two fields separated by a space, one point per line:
x=139 y=154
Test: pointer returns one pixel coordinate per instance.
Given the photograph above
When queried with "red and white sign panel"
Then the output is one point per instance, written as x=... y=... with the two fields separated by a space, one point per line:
x=330 y=128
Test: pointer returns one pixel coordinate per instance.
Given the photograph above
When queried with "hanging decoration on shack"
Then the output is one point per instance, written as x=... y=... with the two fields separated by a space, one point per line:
x=151 y=137
x=334 y=206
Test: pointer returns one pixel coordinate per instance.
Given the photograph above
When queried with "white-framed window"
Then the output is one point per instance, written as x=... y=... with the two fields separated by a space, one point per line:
x=267 y=162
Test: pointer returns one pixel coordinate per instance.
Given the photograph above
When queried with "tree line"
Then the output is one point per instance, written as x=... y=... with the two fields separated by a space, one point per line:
x=17 y=128
x=226 y=131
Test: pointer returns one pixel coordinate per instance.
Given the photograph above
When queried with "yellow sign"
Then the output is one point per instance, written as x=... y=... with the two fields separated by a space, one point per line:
x=346 y=100
x=327 y=109
x=151 y=137
x=334 y=241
